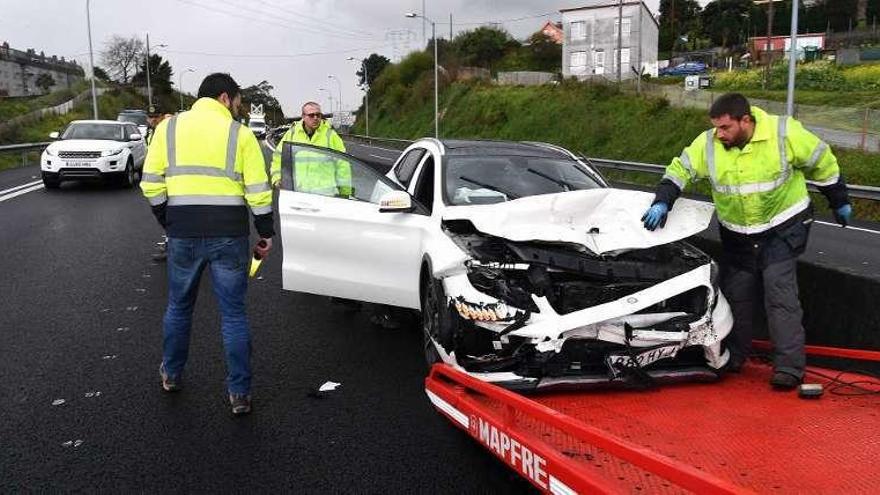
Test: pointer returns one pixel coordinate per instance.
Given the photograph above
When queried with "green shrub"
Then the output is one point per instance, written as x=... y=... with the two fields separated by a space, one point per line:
x=411 y=67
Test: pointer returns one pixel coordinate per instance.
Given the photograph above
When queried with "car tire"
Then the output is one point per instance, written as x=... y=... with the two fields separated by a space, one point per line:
x=129 y=177
x=50 y=183
x=436 y=322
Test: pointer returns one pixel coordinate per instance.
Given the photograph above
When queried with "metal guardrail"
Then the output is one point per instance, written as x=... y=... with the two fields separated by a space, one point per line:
x=24 y=146
x=870 y=193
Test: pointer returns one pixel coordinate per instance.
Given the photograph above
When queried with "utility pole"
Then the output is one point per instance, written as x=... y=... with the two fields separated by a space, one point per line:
x=423 y=22
x=450 y=25
x=619 y=39
x=149 y=88
x=92 y=62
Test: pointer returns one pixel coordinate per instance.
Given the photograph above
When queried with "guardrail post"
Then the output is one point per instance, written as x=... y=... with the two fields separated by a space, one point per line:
x=24 y=158
x=864 y=147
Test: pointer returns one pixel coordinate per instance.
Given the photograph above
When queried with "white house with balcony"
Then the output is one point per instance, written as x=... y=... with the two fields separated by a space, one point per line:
x=590 y=45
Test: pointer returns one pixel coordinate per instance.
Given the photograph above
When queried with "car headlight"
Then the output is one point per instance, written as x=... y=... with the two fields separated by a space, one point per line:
x=50 y=152
x=111 y=152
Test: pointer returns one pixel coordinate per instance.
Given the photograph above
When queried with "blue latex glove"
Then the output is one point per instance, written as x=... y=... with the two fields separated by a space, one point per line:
x=843 y=214
x=655 y=216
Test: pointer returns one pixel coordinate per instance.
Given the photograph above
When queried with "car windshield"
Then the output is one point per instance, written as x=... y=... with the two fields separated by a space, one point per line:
x=134 y=118
x=495 y=179
x=112 y=132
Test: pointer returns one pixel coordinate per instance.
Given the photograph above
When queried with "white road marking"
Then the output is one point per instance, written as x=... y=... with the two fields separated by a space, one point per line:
x=21 y=192
x=11 y=189
x=382 y=157
x=376 y=147
x=850 y=227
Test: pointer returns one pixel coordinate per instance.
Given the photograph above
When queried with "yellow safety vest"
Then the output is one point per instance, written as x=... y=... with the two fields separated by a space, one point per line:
x=315 y=173
x=763 y=184
x=204 y=157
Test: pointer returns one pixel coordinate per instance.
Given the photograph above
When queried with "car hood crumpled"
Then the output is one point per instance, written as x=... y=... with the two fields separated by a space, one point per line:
x=603 y=220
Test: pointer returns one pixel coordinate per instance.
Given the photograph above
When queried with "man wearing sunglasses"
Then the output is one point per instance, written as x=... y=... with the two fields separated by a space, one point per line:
x=321 y=178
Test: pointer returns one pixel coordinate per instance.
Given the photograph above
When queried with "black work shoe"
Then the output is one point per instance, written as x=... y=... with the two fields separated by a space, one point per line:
x=241 y=404
x=784 y=381
x=734 y=365
x=169 y=384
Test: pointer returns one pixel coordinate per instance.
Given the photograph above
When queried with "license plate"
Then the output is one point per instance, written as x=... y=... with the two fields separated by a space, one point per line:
x=642 y=358
x=79 y=164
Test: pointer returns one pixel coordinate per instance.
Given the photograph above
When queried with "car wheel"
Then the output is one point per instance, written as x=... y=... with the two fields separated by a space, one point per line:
x=129 y=178
x=435 y=320
x=49 y=183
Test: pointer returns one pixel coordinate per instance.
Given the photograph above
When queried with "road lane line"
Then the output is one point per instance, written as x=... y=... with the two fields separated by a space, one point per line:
x=21 y=192
x=849 y=227
x=382 y=157
x=376 y=147
x=16 y=188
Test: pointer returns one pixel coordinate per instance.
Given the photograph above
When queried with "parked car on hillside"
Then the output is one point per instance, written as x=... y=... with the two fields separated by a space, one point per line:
x=94 y=149
x=527 y=269
x=684 y=69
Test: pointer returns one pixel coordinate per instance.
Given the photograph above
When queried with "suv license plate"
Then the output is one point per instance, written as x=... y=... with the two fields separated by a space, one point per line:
x=643 y=358
x=79 y=164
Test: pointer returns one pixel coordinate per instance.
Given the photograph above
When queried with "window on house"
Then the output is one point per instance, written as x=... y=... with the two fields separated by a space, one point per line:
x=627 y=25
x=578 y=62
x=578 y=30
x=624 y=59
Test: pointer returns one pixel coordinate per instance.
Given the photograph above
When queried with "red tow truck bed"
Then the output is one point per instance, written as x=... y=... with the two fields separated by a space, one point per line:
x=733 y=436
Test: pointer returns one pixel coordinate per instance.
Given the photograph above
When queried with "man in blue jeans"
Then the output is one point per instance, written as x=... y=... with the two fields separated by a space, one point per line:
x=203 y=171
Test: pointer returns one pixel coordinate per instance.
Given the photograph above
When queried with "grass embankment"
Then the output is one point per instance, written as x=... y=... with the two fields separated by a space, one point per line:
x=594 y=120
x=12 y=107
x=109 y=105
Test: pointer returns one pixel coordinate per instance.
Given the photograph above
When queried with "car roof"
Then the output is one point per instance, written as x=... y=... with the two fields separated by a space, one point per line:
x=483 y=147
x=99 y=122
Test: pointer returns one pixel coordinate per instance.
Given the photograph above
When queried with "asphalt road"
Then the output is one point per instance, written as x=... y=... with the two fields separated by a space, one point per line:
x=81 y=320
x=852 y=250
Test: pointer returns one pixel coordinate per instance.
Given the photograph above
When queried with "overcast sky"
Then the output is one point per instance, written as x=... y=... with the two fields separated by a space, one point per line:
x=293 y=44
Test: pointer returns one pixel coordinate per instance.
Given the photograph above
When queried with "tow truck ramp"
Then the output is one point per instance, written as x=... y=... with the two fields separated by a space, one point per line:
x=733 y=436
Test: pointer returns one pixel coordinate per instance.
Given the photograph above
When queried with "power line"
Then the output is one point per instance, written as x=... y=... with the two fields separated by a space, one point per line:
x=263 y=55
x=236 y=13
x=502 y=21
x=295 y=13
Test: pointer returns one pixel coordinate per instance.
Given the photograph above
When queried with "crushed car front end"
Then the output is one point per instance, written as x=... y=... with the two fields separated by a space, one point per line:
x=544 y=314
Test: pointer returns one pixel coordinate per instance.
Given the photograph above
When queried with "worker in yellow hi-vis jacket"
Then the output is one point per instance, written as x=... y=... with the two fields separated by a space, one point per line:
x=203 y=171
x=757 y=165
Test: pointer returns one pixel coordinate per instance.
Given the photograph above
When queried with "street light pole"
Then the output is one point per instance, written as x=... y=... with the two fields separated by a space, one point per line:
x=339 y=84
x=792 y=60
x=436 y=79
x=149 y=88
x=366 y=94
x=92 y=62
x=180 y=85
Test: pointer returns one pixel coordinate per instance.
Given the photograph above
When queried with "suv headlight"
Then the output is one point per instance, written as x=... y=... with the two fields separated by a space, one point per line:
x=111 y=152
x=50 y=152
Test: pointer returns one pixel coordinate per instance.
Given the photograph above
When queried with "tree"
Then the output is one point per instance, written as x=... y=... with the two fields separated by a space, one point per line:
x=261 y=94
x=678 y=18
x=375 y=64
x=160 y=74
x=101 y=74
x=544 y=54
x=724 y=21
x=45 y=81
x=483 y=46
x=121 y=57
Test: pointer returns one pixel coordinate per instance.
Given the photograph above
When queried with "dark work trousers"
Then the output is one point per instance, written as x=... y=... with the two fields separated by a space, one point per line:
x=767 y=295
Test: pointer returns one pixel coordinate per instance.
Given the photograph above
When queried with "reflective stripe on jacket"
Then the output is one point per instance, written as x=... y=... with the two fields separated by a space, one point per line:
x=763 y=184
x=205 y=158
x=319 y=175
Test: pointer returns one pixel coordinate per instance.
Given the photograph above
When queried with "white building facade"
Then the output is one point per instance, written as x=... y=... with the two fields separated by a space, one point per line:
x=20 y=71
x=590 y=45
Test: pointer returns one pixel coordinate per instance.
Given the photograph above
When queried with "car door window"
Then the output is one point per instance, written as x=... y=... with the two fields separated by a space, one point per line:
x=324 y=172
x=407 y=166
x=424 y=190
x=130 y=129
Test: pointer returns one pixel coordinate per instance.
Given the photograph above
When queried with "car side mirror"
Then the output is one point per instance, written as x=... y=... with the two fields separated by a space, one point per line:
x=134 y=137
x=54 y=135
x=395 y=202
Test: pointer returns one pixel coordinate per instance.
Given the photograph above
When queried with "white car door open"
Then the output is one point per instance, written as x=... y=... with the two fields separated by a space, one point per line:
x=335 y=240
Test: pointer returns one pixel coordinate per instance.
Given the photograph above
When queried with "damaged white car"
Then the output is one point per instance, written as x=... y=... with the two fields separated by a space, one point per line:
x=528 y=270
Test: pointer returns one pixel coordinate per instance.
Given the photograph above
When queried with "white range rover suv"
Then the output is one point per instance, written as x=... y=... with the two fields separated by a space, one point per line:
x=94 y=149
